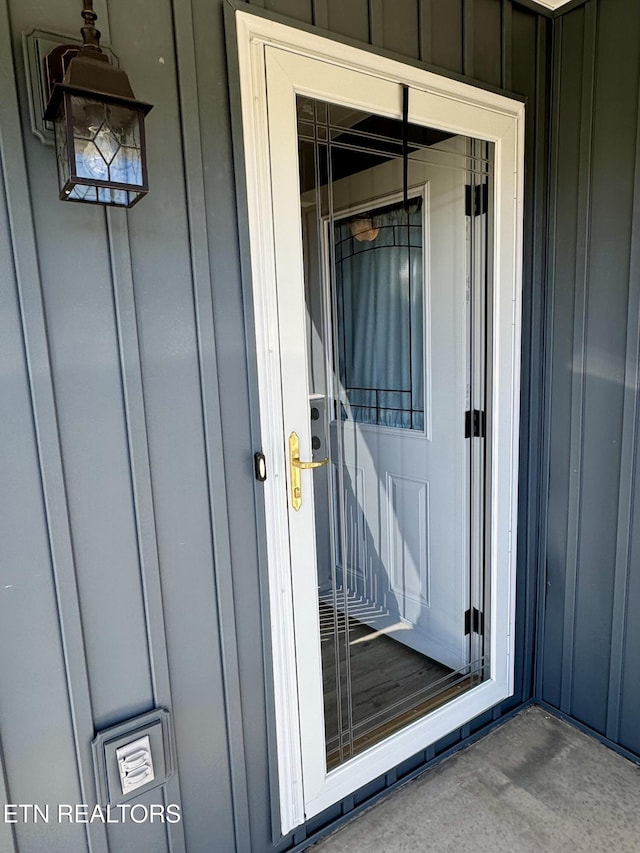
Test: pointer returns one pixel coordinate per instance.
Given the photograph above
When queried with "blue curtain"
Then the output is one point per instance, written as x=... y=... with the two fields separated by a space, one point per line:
x=379 y=294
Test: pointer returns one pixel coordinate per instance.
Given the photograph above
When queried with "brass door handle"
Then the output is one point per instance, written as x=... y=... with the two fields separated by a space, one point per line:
x=296 y=465
x=306 y=465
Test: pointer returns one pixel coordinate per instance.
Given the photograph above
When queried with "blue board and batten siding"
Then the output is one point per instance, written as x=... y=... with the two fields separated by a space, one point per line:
x=130 y=574
x=589 y=661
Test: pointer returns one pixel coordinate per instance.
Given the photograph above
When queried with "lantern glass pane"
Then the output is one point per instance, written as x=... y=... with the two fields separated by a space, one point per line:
x=107 y=143
x=125 y=125
x=108 y=195
x=62 y=153
x=87 y=117
x=82 y=192
x=101 y=195
x=89 y=161
x=126 y=166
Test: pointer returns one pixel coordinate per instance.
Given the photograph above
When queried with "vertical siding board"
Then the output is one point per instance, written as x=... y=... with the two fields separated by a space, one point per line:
x=506 y=46
x=530 y=77
x=349 y=19
x=235 y=352
x=86 y=377
x=524 y=76
x=624 y=676
x=32 y=664
x=210 y=392
x=543 y=633
x=536 y=517
x=538 y=429
x=487 y=41
x=425 y=31
x=27 y=273
x=321 y=14
x=447 y=23
x=298 y=10
x=565 y=124
x=377 y=23
x=578 y=359
x=613 y=161
x=401 y=27
x=468 y=37
x=126 y=322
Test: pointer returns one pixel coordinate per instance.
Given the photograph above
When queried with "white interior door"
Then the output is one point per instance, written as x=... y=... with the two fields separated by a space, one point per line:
x=405 y=485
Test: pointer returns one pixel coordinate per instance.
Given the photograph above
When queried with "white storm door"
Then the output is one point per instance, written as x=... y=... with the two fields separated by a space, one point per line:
x=405 y=489
x=278 y=67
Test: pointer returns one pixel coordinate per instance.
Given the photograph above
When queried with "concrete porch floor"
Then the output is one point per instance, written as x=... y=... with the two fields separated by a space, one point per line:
x=534 y=784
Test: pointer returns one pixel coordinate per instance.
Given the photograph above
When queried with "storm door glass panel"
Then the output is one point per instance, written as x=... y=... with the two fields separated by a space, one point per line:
x=395 y=295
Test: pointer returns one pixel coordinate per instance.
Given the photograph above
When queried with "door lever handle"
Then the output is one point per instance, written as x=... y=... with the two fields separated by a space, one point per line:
x=296 y=465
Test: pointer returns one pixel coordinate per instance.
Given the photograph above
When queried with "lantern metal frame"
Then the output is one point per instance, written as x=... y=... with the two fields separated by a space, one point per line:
x=87 y=72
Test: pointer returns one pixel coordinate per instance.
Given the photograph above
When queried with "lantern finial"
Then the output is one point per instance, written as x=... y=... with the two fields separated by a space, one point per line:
x=90 y=35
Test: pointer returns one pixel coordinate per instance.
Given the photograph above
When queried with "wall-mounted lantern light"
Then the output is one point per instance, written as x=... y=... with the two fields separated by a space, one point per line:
x=99 y=125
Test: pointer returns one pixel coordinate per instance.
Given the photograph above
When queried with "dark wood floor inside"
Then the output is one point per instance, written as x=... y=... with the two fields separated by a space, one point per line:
x=391 y=684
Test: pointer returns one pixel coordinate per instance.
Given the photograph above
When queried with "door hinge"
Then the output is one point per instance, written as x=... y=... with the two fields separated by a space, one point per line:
x=476 y=199
x=260 y=467
x=474 y=424
x=473 y=621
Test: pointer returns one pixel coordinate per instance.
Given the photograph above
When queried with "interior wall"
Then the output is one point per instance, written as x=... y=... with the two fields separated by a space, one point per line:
x=129 y=555
x=589 y=661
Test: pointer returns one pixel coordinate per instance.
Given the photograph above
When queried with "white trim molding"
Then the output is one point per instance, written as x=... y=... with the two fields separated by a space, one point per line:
x=552 y=5
x=276 y=62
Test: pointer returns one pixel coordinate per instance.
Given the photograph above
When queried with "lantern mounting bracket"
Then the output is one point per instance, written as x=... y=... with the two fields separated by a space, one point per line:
x=37 y=45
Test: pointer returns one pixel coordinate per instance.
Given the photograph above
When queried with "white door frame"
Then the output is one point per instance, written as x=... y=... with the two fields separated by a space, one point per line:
x=305 y=788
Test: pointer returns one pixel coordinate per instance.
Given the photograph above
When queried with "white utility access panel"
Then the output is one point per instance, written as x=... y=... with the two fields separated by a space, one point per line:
x=135 y=764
